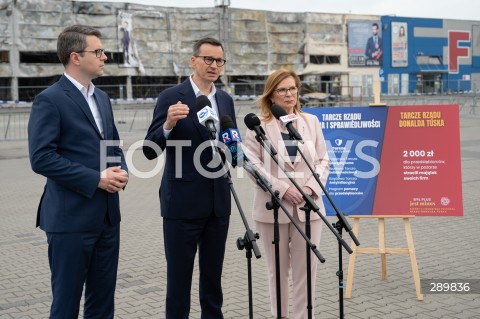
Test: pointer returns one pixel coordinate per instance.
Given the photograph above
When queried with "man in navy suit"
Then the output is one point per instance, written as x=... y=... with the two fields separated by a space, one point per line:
x=73 y=142
x=373 y=49
x=195 y=203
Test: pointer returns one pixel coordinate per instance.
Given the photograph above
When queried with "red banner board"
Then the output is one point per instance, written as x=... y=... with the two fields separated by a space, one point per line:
x=420 y=166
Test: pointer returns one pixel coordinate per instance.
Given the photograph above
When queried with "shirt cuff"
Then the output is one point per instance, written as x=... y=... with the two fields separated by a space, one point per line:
x=166 y=132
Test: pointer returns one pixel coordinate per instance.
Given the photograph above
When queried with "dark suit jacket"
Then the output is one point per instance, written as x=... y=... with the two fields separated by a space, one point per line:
x=65 y=146
x=370 y=47
x=191 y=195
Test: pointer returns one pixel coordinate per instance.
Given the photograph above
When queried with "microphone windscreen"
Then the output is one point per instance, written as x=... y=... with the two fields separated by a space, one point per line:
x=201 y=102
x=277 y=111
x=251 y=120
x=226 y=122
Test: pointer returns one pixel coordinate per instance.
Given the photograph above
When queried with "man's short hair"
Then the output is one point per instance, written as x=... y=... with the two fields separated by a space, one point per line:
x=73 y=39
x=198 y=44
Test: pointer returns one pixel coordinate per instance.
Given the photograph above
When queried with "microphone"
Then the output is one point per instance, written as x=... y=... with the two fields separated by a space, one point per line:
x=253 y=123
x=206 y=115
x=231 y=138
x=287 y=121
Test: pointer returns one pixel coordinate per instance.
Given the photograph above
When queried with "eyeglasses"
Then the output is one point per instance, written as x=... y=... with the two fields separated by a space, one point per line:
x=282 y=92
x=209 y=60
x=98 y=52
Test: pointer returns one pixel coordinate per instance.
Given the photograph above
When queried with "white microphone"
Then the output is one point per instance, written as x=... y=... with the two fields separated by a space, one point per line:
x=207 y=116
x=287 y=121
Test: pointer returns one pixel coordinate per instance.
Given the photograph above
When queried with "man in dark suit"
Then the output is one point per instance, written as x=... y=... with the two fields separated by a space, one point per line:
x=73 y=142
x=373 y=49
x=125 y=42
x=195 y=204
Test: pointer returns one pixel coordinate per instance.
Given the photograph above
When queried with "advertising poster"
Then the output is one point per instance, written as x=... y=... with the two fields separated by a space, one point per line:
x=354 y=142
x=420 y=170
x=126 y=43
x=399 y=44
x=365 y=43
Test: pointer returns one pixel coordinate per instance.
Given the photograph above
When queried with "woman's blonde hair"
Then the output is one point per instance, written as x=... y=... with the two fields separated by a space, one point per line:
x=273 y=80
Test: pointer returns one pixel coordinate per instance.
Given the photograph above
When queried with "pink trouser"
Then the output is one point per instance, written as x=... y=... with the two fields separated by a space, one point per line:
x=292 y=247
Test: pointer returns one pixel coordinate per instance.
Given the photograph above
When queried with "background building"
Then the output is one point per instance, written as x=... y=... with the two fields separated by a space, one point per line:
x=434 y=56
x=150 y=47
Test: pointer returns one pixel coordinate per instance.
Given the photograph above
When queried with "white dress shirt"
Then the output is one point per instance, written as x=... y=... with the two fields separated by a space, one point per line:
x=88 y=95
x=211 y=98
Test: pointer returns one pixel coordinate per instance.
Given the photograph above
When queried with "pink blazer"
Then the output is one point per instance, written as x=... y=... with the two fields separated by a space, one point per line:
x=315 y=152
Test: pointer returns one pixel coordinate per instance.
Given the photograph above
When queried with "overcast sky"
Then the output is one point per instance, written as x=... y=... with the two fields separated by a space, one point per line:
x=446 y=9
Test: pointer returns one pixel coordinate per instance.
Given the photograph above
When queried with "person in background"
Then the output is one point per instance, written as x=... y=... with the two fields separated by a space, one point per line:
x=125 y=42
x=282 y=88
x=72 y=138
x=195 y=206
x=373 y=49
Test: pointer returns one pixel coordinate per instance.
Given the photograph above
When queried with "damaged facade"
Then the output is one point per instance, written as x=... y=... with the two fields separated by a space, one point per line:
x=160 y=40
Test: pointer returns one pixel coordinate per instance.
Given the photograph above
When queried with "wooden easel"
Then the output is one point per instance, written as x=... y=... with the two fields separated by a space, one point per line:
x=383 y=251
x=376 y=94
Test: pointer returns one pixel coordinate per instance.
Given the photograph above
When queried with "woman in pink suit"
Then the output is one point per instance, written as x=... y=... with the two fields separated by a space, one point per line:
x=282 y=88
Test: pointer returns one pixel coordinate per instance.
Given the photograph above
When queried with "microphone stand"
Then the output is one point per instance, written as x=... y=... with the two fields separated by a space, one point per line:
x=249 y=243
x=339 y=273
x=308 y=207
x=342 y=223
x=307 y=210
x=309 y=203
x=249 y=240
x=274 y=204
x=260 y=137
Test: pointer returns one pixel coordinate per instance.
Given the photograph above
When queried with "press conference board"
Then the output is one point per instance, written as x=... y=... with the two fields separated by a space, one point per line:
x=393 y=160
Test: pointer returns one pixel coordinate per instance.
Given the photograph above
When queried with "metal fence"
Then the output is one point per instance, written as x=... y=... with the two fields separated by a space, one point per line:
x=14 y=122
x=148 y=90
x=248 y=90
x=335 y=91
x=131 y=119
x=135 y=117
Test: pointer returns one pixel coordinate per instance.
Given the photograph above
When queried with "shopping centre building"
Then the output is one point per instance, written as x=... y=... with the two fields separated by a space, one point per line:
x=149 y=48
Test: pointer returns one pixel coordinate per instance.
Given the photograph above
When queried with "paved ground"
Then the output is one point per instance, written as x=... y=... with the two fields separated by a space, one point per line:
x=446 y=248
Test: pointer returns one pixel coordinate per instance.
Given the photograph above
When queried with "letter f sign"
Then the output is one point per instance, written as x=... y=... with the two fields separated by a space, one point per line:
x=455 y=51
